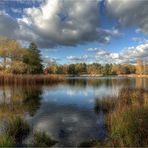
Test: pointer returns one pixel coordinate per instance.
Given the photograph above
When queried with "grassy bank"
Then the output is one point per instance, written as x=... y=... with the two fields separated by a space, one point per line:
x=30 y=79
x=128 y=123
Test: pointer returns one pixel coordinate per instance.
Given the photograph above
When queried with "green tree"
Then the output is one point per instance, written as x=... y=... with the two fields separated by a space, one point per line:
x=72 y=69
x=107 y=69
x=33 y=59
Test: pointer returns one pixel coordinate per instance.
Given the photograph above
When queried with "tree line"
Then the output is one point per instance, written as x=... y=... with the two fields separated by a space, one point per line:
x=97 y=69
x=94 y=68
x=18 y=60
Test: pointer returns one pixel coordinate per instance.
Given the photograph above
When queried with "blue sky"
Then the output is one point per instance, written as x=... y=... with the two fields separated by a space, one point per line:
x=69 y=31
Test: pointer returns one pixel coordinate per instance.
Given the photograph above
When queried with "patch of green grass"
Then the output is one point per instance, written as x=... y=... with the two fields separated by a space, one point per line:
x=41 y=139
x=6 y=141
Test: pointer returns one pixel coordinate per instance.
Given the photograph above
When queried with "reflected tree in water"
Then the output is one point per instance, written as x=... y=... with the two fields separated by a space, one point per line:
x=32 y=98
x=18 y=100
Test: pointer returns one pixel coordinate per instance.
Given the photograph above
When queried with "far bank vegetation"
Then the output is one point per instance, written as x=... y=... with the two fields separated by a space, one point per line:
x=16 y=59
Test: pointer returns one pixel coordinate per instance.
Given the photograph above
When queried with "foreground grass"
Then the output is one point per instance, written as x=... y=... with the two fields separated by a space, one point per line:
x=17 y=129
x=29 y=79
x=41 y=139
x=130 y=128
x=128 y=124
x=6 y=141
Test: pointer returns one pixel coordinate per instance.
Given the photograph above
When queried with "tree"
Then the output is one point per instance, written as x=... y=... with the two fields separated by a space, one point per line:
x=33 y=59
x=107 y=69
x=11 y=52
x=72 y=70
x=9 y=49
x=17 y=67
x=139 y=67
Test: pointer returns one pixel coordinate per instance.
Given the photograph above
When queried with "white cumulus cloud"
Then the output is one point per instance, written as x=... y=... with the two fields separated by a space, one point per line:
x=58 y=23
x=129 y=12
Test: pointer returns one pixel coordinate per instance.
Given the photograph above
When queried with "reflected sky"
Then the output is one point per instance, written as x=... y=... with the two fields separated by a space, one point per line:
x=70 y=125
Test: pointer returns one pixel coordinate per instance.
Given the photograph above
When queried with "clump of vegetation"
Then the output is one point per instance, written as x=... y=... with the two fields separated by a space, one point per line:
x=6 y=141
x=129 y=128
x=105 y=104
x=41 y=139
x=89 y=143
x=17 y=129
x=128 y=123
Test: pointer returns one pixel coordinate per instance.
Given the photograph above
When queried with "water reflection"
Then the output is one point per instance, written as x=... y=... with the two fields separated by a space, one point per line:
x=75 y=110
x=68 y=124
x=19 y=100
x=32 y=99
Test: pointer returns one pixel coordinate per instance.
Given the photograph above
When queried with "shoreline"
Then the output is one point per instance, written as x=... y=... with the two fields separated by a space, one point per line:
x=134 y=76
x=94 y=75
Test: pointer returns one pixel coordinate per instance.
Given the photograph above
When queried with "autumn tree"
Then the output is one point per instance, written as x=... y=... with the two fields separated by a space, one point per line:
x=140 y=67
x=4 y=48
x=11 y=52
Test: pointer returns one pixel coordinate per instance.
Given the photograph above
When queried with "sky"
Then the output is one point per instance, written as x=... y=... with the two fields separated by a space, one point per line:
x=74 y=31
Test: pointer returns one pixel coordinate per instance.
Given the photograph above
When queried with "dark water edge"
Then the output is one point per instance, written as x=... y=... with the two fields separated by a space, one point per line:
x=70 y=112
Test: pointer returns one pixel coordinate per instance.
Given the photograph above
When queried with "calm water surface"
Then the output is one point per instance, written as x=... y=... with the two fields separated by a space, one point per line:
x=66 y=111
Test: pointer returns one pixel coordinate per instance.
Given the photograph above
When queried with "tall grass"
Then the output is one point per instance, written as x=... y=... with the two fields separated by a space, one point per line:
x=130 y=129
x=105 y=104
x=16 y=129
x=30 y=79
x=128 y=125
x=6 y=141
x=41 y=139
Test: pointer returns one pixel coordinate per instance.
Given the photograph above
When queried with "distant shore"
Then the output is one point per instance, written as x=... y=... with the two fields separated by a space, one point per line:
x=135 y=76
x=97 y=75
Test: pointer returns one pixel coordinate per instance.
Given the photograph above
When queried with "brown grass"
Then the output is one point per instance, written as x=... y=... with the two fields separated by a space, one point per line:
x=30 y=79
x=128 y=123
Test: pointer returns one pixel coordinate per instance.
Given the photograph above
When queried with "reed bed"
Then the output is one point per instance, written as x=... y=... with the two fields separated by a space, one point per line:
x=106 y=105
x=128 y=123
x=30 y=79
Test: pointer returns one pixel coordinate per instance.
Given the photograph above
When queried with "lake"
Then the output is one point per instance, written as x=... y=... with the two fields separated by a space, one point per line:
x=67 y=111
